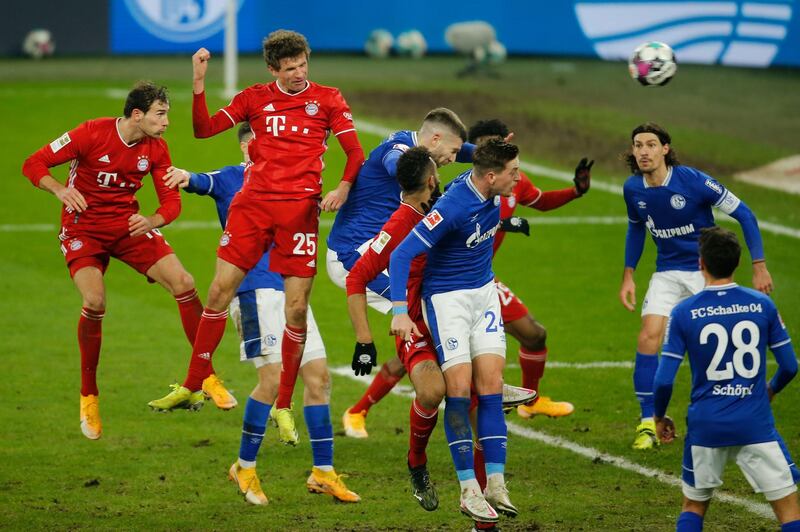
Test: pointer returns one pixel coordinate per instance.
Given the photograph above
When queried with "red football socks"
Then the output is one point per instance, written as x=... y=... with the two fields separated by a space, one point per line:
x=479 y=465
x=191 y=310
x=294 y=341
x=422 y=424
x=209 y=333
x=532 y=365
x=378 y=388
x=90 y=335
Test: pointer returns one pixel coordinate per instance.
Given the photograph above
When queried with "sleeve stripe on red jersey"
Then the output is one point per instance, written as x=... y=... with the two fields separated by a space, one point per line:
x=424 y=241
x=344 y=131
x=531 y=204
x=229 y=116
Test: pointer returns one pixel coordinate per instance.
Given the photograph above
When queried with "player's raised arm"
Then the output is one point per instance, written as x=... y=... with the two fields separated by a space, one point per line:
x=204 y=125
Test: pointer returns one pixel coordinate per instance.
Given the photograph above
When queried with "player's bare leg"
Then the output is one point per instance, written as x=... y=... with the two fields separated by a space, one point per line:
x=89 y=282
x=647 y=346
x=787 y=509
x=298 y=292
x=316 y=410
x=227 y=279
x=428 y=381
x=355 y=417
x=170 y=273
x=256 y=413
x=532 y=337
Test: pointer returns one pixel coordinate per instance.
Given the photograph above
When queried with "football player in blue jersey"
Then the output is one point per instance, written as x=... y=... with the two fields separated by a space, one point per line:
x=726 y=330
x=462 y=310
x=673 y=203
x=375 y=195
x=258 y=313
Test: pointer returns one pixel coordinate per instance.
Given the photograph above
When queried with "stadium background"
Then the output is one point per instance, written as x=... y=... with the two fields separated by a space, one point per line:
x=168 y=471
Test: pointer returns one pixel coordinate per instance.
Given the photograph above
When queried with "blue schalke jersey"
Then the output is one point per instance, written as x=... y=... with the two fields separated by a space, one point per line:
x=458 y=235
x=675 y=212
x=726 y=331
x=222 y=185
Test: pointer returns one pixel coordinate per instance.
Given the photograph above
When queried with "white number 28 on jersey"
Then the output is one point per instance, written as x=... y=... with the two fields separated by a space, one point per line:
x=717 y=371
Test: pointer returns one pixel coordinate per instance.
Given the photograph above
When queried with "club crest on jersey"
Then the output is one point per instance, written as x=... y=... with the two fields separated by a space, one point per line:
x=225 y=239
x=677 y=201
x=143 y=163
x=348 y=116
x=512 y=201
x=75 y=245
x=432 y=220
x=380 y=242
x=452 y=343
x=312 y=108
x=713 y=185
x=496 y=201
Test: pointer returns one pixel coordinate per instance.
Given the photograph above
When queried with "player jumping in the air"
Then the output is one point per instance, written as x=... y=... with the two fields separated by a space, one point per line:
x=672 y=203
x=726 y=330
x=517 y=320
x=462 y=311
x=418 y=179
x=278 y=207
x=101 y=219
x=257 y=311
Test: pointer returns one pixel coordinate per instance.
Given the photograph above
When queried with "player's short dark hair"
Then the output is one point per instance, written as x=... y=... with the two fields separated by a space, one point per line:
x=651 y=127
x=413 y=168
x=720 y=251
x=493 y=156
x=445 y=117
x=487 y=128
x=244 y=130
x=142 y=96
x=284 y=44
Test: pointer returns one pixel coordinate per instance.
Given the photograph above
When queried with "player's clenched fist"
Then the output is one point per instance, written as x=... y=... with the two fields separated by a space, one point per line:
x=200 y=63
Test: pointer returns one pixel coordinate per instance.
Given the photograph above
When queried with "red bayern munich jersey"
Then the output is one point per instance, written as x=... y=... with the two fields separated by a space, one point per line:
x=291 y=132
x=376 y=258
x=527 y=194
x=107 y=171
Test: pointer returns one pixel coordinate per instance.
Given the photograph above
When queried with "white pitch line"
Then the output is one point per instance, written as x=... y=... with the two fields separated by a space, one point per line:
x=760 y=509
x=598 y=184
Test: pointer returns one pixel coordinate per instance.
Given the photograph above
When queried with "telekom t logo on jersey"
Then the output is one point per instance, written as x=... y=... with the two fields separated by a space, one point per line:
x=276 y=124
x=104 y=179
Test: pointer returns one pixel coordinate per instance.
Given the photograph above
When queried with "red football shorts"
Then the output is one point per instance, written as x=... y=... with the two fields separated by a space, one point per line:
x=511 y=307
x=287 y=228
x=418 y=349
x=90 y=246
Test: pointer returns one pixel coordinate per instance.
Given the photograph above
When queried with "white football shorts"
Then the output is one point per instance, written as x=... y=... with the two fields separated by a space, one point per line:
x=465 y=324
x=669 y=288
x=766 y=466
x=260 y=320
x=377 y=290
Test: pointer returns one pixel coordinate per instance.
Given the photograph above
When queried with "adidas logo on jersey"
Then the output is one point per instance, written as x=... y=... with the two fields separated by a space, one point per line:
x=104 y=159
x=269 y=108
x=312 y=263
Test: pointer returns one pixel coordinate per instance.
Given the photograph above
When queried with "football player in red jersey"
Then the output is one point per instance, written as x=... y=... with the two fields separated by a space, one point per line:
x=418 y=179
x=101 y=219
x=517 y=320
x=278 y=207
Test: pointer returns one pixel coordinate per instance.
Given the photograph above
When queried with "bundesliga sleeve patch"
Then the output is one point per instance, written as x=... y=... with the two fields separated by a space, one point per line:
x=60 y=142
x=432 y=220
x=380 y=242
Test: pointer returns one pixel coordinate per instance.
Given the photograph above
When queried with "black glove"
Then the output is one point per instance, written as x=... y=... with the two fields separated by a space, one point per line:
x=365 y=357
x=583 y=176
x=515 y=224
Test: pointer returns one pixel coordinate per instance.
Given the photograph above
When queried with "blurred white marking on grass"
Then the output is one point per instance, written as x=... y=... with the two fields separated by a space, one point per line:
x=760 y=509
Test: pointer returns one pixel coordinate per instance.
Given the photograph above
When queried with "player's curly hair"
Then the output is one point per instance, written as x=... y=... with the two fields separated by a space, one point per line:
x=650 y=127
x=142 y=96
x=445 y=117
x=244 y=130
x=284 y=44
x=487 y=128
x=493 y=155
x=720 y=251
x=413 y=168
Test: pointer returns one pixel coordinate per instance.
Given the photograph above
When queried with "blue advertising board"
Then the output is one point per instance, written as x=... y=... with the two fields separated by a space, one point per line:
x=756 y=33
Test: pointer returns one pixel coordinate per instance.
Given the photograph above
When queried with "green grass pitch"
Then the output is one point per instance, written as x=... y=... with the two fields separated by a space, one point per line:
x=168 y=471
